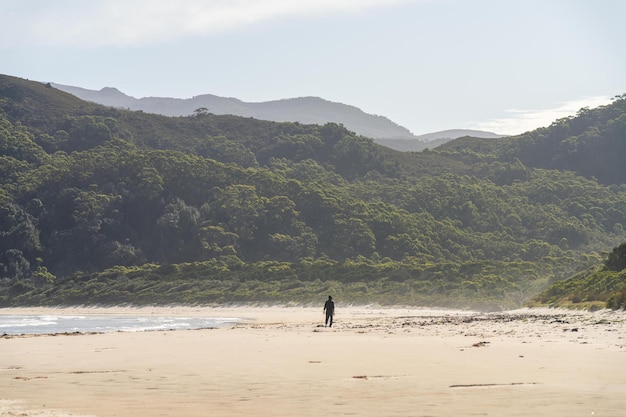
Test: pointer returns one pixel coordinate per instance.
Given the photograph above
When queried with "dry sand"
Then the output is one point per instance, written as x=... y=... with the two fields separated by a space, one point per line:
x=280 y=362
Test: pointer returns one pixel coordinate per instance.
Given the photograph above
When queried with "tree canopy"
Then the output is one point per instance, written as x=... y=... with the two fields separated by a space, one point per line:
x=107 y=205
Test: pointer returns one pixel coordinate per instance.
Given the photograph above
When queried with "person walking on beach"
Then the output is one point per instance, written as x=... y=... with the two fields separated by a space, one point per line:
x=329 y=308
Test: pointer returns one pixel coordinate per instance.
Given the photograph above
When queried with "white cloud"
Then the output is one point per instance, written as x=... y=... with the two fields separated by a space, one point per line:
x=136 y=22
x=522 y=121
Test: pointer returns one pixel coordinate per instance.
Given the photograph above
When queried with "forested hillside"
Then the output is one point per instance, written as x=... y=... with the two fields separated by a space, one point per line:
x=101 y=205
x=601 y=286
x=591 y=144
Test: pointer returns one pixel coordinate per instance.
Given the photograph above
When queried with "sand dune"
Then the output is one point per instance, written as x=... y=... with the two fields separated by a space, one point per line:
x=283 y=362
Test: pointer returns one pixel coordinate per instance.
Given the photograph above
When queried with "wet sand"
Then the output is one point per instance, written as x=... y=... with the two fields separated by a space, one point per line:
x=283 y=362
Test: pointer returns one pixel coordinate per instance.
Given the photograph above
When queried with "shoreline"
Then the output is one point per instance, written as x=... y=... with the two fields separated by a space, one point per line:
x=372 y=362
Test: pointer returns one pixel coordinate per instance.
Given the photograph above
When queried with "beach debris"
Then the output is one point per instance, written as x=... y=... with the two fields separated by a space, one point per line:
x=481 y=344
x=491 y=385
x=107 y=371
x=29 y=335
x=28 y=378
x=373 y=376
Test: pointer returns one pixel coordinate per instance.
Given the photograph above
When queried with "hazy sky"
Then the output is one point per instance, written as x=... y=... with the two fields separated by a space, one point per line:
x=428 y=65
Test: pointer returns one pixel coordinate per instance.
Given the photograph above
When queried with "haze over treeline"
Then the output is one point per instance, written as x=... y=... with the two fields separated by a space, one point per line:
x=105 y=205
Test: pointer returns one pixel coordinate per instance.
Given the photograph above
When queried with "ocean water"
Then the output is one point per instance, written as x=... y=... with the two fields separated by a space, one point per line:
x=48 y=324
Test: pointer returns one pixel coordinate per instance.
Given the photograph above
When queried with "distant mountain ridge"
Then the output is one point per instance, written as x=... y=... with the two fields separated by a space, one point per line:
x=433 y=140
x=457 y=133
x=308 y=110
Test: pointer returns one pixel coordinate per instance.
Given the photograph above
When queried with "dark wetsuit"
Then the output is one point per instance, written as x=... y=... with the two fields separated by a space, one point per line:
x=329 y=307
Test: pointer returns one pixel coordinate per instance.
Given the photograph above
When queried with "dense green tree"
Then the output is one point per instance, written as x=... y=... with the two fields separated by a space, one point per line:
x=616 y=260
x=19 y=242
x=222 y=149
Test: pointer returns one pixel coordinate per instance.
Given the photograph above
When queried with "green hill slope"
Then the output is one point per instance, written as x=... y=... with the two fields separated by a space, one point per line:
x=591 y=144
x=598 y=287
x=107 y=205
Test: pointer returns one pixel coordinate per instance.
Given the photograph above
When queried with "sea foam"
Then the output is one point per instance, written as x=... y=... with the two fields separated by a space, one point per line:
x=49 y=324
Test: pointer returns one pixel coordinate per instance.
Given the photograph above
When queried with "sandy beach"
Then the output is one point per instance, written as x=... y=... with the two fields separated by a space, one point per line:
x=283 y=362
